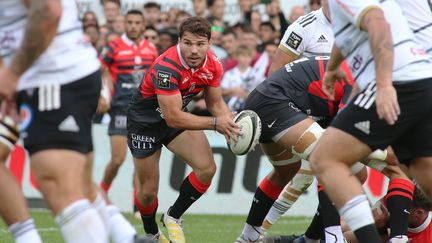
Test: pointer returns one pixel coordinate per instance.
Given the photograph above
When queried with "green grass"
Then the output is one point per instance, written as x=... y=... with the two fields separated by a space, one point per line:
x=198 y=228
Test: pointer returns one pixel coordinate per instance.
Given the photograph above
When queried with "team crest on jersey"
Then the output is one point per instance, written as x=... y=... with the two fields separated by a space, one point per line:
x=163 y=79
x=294 y=40
x=26 y=116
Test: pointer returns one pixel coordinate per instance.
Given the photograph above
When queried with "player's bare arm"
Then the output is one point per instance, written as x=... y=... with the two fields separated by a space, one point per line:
x=381 y=43
x=218 y=108
x=281 y=58
x=43 y=19
x=333 y=73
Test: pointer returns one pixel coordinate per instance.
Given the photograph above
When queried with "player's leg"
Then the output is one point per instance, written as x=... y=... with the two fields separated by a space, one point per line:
x=58 y=172
x=196 y=183
x=330 y=161
x=118 y=155
x=13 y=209
x=421 y=170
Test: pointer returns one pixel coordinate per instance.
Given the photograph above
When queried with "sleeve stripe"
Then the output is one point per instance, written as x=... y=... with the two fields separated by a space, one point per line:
x=363 y=12
x=174 y=73
x=287 y=51
x=172 y=62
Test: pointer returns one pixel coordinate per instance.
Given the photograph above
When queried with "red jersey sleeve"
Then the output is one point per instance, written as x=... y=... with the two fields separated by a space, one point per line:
x=107 y=54
x=217 y=71
x=165 y=79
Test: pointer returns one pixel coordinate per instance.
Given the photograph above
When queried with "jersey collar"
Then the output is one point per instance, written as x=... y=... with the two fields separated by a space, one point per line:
x=128 y=41
x=423 y=226
x=183 y=62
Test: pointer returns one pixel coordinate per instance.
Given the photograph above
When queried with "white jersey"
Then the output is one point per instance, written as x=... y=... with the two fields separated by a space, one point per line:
x=310 y=35
x=419 y=16
x=410 y=61
x=68 y=58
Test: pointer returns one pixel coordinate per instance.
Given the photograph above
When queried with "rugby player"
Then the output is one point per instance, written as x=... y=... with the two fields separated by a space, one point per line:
x=157 y=116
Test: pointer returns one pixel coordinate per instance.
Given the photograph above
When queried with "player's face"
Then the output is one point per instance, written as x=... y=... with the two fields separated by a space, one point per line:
x=194 y=49
x=134 y=26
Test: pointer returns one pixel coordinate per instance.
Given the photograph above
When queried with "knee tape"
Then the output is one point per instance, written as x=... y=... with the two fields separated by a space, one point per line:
x=283 y=162
x=8 y=132
x=376 y=159
x=307 y=141
x=303 y=179
x=356 y=168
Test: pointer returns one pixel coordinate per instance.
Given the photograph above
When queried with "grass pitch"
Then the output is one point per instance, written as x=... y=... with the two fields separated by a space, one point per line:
x=198 y=228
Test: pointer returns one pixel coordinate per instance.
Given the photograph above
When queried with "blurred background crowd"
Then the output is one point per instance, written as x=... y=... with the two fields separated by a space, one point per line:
x=246 y=46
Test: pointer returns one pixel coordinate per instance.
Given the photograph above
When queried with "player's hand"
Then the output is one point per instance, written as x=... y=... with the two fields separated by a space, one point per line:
x=8 y=83
x=226 y=126
x=387 y=104
x=380 y=214
x=103 y=105
x=330 y=79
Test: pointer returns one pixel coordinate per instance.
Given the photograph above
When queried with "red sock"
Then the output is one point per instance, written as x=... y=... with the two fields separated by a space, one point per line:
x=105 y=187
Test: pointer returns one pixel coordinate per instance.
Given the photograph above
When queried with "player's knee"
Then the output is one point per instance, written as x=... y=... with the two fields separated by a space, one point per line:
x=147 y=197
x=117 y=160
x=206 y=174
x=307 y=141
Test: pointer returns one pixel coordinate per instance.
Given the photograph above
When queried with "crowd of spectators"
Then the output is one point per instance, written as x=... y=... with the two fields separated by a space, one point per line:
x=254 y=39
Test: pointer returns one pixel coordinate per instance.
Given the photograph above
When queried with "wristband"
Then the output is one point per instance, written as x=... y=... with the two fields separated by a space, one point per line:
x=214 y=123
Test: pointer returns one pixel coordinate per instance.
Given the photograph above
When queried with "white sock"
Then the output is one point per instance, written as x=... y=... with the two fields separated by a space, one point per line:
x=80 y=223
x=25 y=232
x=121 y=231
x=251 y=233
x=101 y=207
x=333 y=234
x=357 y=212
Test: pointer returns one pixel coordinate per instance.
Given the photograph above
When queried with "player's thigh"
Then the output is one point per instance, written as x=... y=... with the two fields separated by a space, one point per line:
x=336 y=145
x=147 y=172
x=118 y=147
x=193 y=148
x=421 y=171
x=285 y=164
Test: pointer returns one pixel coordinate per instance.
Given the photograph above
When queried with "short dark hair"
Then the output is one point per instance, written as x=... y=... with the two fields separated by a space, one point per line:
x=152 y=5
x=420 y=200
x=269 y=24
x=135 y=12
x=197 y=26
x=229 y=31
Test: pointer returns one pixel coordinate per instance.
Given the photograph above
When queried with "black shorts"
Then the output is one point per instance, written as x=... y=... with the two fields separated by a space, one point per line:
x=118 y=122
x=59 y=117
x=410 y=136
x=276 y=115
x=144 y=140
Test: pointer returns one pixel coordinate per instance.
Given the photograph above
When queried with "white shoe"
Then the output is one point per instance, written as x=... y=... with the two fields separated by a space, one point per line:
x=241 y=239
x=174 y=228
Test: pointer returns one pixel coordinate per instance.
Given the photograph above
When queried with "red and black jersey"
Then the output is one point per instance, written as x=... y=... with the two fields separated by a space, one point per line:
x=127 y=64
x=300 y=82
x=169 y=75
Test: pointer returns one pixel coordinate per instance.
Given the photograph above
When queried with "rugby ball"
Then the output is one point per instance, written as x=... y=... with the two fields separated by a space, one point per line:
x=250 y=131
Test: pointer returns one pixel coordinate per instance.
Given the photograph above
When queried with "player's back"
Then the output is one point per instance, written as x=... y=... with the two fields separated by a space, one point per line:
x=301 y=83
x=69 y=56
x=419 y=16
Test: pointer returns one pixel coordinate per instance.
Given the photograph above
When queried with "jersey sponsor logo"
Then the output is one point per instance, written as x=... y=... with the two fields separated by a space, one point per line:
x=363 y=126
x=208 y=76
x=142 y=142
x=322 y=39
x=125 y=52
x=163 y=79
x=185 y=80
x=294 y=40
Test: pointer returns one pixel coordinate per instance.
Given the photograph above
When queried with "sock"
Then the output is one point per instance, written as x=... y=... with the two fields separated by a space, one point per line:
x=25 y=232
x=148 y=216
x=120 y=230
x=105 y=187
x=80 y=223
x=290 y=194
x=265 y=195
x=190 y=190
x=398 y=201
x=316 y=227
x=100 y=206
x=331 y=218
x=357 y=213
